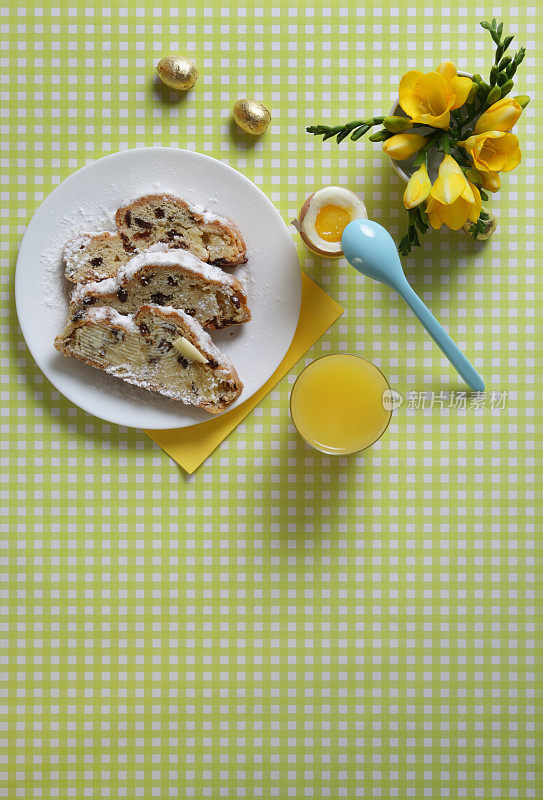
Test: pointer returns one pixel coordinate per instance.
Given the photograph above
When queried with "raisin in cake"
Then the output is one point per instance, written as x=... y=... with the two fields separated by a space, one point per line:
x=176 y=278
x=159 y=349
x=166 y=218
x=94 y=256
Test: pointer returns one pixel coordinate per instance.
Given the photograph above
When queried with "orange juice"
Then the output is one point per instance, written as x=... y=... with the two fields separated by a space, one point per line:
x=337 y=404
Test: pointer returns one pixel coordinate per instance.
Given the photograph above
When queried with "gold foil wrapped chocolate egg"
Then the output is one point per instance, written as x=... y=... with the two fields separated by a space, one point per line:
x=251 y=116
x=177 y=72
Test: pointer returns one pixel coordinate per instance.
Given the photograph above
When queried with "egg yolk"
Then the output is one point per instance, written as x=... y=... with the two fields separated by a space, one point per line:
x=331 y=221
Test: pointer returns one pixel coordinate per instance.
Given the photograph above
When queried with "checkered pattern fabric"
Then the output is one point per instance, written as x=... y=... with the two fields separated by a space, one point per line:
x=280 y=624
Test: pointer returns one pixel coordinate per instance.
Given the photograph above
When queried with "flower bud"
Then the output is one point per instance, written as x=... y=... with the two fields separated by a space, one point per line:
x=519 y=56
x=380 y=136
x=522 y=100
x=403 y=145
x=511 y=69
x=472 y=93
x=417 y=189
x=397 y=124
x=506 y=88
x=473 y=176
x=491 y=181
x=493 y=96
x=507 y=41
x=501 y=116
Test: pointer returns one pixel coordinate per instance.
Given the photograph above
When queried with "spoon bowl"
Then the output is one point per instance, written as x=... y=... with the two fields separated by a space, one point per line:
x=371 y=250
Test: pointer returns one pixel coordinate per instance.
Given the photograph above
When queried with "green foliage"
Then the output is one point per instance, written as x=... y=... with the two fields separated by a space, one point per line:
x=417 y=223
x=479 y=227
x=356 y=129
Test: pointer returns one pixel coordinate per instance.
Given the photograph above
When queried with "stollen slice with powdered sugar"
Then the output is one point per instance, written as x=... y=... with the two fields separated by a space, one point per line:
x=160 y=349
x=175 y=278
x=165 y=218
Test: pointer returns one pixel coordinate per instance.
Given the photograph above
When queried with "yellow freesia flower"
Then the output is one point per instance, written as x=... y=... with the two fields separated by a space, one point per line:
x=499 y=117
x=460 y=87
x=493 y=151
x=403 y=145
x=453 y=199
x=417 y=189
x=429 y=99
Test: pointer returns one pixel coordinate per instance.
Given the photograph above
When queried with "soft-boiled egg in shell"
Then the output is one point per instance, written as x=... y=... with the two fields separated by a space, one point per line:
x=325 y=214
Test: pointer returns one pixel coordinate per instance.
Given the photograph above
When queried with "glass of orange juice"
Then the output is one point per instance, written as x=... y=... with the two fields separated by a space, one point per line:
x=337 y=404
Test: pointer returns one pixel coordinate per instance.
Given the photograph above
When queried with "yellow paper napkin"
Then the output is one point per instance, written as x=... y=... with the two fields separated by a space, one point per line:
x=192 y=445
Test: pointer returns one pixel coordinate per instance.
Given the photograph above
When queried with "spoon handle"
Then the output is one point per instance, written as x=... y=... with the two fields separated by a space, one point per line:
x=441 y=338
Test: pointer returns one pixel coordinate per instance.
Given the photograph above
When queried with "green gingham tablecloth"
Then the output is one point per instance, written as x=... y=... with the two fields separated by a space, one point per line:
x=280 y=624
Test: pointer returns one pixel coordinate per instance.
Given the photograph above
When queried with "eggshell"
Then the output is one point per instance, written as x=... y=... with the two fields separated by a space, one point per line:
x=310 y=246
x=321 y=251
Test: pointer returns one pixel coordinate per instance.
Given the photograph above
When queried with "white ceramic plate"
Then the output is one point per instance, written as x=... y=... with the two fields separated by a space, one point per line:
x=87 y=200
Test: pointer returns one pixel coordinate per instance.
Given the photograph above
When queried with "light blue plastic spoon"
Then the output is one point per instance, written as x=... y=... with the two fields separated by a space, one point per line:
x=370 y=249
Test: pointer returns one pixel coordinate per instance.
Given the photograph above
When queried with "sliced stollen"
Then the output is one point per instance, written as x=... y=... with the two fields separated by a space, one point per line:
x=176 y=278
x=159 y=349
x=166 y=218
x=95 y=256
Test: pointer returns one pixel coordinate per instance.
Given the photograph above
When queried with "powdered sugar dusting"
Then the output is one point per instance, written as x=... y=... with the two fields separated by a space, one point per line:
x=175 y=258
x=108 y=314
x=207 y=216
x=133 y=377
x=107 y=286
x=73 y=248
x=159 y=247
x=139 y=379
